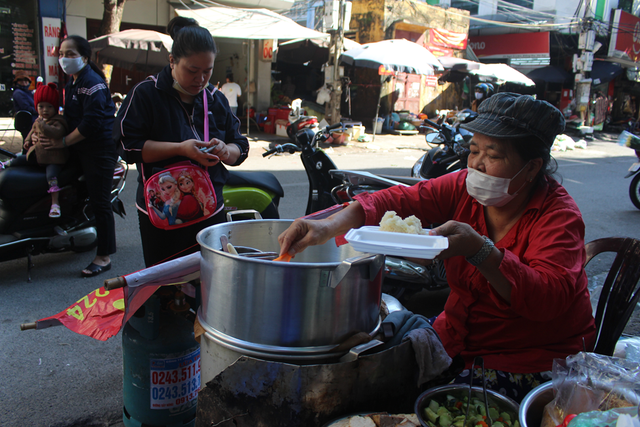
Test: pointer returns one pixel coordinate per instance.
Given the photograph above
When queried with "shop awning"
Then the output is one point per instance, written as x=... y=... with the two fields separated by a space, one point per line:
x=551 y=74
x=236 y=23
x=602 y=71
x=515 y=45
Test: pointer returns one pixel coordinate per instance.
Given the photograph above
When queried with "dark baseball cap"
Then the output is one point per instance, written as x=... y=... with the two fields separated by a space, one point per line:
x=511 y=115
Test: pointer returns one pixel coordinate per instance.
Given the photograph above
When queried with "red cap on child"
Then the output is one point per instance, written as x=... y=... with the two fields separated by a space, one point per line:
x=47 y=93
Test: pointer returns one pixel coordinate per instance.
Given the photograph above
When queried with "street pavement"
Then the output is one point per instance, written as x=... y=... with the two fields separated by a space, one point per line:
x=54 y=377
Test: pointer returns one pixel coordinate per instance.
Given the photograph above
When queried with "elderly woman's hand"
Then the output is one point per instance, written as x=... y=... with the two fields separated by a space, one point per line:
x=302 y=234
x=48 y=143
x=463 y=240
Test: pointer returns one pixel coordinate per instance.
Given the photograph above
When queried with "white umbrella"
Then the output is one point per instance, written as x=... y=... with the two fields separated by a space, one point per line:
x=237 y=23
x=502 y=73
x=144 y=50
x=397 y=56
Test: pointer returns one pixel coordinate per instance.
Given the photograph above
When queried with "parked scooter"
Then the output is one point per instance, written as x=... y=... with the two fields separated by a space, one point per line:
x=634 y=188
x=25 y=226
x=330 y=188
x=299 y=121
x=450 y=148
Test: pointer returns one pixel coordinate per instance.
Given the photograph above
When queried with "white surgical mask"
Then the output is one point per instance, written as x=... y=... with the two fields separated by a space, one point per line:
x=72 y=65
x=180 y=89
x=478 y=96
x=490 y=190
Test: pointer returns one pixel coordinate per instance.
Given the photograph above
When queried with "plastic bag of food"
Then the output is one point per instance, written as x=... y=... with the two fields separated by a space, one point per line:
x=618 y=417
x=587 y=382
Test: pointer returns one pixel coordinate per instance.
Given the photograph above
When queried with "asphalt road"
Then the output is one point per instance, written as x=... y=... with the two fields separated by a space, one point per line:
x=55 y=377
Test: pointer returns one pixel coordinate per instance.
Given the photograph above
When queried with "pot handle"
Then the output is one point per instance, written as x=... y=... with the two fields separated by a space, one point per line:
x=336 y=275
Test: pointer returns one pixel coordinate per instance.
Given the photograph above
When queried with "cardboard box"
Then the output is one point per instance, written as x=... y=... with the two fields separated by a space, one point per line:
x=281 y=127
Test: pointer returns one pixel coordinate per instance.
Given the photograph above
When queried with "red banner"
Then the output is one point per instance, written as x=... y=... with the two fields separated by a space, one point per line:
x=625 y=36
x=517 y=45
x=446 y=38
x=98 y=315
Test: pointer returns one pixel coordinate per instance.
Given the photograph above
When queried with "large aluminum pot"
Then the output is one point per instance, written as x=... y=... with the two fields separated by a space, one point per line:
x=460 y=391
x=532 y=406
x=309 y=305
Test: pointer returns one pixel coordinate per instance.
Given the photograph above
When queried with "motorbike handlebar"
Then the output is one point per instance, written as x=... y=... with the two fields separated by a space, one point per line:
x=281 y=148
x=336 y=126
x=432 y=124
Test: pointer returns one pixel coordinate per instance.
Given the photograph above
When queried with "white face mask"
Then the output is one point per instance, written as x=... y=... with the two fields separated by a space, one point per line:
x=478 y=96
x=490 y=190
x=72 y=65
x=180 y=89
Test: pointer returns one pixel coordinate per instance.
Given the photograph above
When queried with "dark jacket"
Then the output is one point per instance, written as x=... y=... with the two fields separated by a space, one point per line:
x=153 y=111
x=89 y=108
x=23 y=101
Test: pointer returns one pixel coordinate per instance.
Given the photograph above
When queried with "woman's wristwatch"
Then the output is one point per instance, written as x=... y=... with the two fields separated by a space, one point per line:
x=483 y=253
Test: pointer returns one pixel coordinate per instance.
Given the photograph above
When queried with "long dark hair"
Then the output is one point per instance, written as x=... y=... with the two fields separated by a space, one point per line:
x=189 y=38
x=84 y=49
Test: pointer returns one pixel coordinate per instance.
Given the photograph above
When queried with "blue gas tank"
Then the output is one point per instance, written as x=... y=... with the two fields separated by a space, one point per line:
x=161 y=368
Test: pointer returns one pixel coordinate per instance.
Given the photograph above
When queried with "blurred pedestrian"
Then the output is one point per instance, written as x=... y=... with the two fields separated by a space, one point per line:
x=23 y=101
x=232 y=91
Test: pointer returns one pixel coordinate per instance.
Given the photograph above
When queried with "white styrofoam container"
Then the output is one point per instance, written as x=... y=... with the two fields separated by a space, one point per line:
x=371 y=239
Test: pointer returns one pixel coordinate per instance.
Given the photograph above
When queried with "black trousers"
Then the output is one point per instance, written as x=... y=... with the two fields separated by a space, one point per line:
x=98 y=165
x=160 y=245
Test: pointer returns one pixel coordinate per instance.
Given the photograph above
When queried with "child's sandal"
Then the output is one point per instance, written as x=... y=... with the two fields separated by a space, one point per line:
x=55 y=211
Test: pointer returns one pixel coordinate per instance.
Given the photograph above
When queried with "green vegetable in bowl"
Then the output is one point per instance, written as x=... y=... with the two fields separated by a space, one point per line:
x=452 y=414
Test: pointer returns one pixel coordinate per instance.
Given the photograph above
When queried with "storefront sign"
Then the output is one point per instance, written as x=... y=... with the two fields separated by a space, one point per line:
x=24 y=53
x=625 y=36
x=51 y=38
x=446 y=38
x=517 y=45
x=268 y=52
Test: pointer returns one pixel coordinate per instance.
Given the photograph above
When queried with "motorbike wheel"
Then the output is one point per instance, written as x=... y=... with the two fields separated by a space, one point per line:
x=634 y=190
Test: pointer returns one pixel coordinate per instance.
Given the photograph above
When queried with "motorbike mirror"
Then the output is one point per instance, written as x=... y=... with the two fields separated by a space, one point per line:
x=434 y=138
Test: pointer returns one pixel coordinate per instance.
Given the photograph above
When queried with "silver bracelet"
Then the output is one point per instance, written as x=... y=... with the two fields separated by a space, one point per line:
x=483 y=253
x=64 y=143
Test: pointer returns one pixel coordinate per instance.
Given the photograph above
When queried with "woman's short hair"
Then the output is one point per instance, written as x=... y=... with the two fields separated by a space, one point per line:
x=189 y=38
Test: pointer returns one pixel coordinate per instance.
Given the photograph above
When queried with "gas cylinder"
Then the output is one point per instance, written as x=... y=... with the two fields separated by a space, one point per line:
x=161 y=366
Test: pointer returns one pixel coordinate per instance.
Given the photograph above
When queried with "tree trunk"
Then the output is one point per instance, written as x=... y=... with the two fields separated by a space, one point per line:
x=112 y=16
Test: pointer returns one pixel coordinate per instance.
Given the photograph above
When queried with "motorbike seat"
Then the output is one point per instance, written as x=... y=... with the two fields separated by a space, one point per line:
x=20 y=182
x=256 y=179
x=403 y=179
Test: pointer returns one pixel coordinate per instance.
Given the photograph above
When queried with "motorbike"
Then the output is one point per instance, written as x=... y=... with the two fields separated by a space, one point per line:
x=299 y=121
x=330 y=189
x=25 y=226
x=449 y=148
x=634 y=188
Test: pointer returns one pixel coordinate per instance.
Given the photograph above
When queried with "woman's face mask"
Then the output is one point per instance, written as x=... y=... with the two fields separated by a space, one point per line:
x=490 y=190
x=478 y=96
x=72 y=65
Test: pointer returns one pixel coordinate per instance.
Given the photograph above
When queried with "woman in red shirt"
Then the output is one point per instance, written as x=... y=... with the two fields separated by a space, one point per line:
x=519 y=302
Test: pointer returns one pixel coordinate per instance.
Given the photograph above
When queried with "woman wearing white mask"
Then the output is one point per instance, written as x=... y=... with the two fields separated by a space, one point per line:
x=162 y=123
x=519 y=302
x=89 y=112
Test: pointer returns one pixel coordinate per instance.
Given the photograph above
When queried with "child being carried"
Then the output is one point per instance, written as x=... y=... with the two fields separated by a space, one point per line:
x=52 y=125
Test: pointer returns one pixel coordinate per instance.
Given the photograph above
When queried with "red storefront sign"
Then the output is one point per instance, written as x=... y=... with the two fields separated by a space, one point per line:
x=625 y=36
x=516 y=45
x=446 y=38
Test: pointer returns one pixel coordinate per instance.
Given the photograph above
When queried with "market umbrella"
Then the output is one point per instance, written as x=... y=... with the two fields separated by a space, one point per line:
x=550 y=74
x=143 y=50
x=502 y=73
x=458 y=64
x=392 y=56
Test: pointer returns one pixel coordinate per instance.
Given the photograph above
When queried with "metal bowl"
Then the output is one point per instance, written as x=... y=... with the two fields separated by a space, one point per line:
x=461 y=391
x=532 y=406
